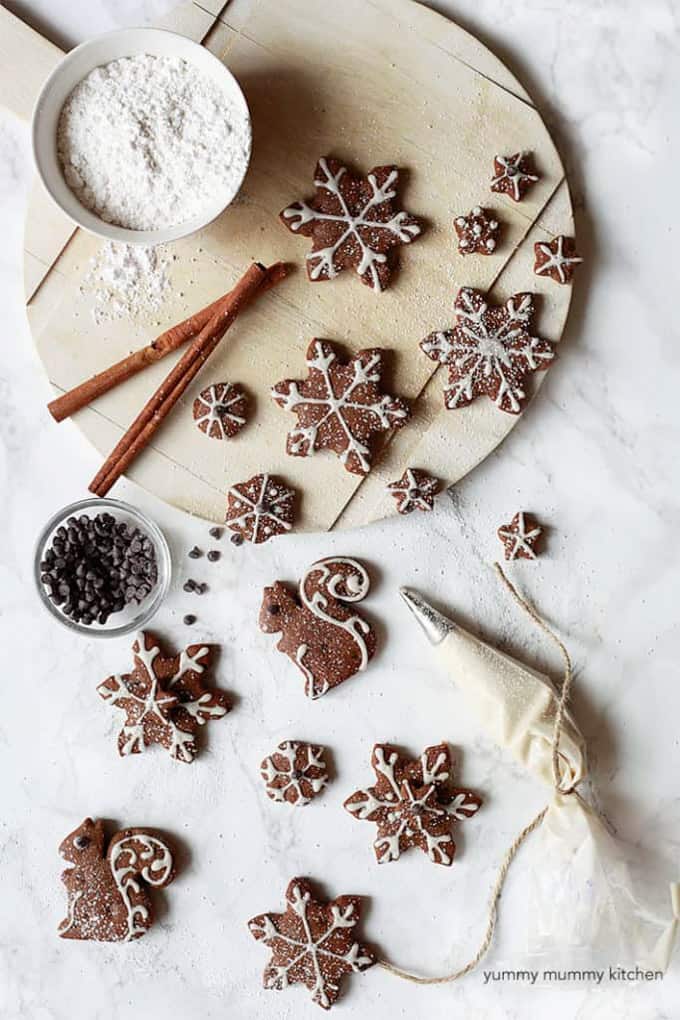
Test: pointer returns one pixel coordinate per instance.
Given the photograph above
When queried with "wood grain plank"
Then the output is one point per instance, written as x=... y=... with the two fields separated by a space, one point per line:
x=421 y=106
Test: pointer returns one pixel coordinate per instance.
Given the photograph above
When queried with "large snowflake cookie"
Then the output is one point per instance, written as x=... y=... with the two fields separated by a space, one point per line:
x=312 y=943
x=107 y=887
x=352 y=222
x=477 y=232
x=415 y=490
x=521 y=537
x=220 y=410
x=296 y=772
x=490 y=351
x=556 y=259
x=320 y=631
x=260 y=508
x=514 y=175
x=164 y=698
x=340 y=405
x=413 y=803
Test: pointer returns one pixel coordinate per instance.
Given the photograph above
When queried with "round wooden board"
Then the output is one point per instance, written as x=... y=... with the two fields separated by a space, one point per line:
x=371 y=81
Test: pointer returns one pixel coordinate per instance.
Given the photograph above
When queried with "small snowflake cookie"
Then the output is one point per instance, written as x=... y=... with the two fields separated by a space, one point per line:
x=556 y=259
x=490 y=351
x=164 y=698
x=353 y=223
x=521 y=537
x=320 y=631
x=312 y=943
x=340 y=405
x=415 y=490
x=514 y=175
x=477 y=232
x=296 y=772
x=413 y=803
x=259 y=509
x=108 y=887
x=220 y=410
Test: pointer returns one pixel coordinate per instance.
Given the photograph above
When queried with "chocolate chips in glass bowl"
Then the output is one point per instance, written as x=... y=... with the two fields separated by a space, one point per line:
x=96 y=566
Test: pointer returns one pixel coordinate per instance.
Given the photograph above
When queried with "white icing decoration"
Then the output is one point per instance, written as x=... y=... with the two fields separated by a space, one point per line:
x=70 y=920
x=153 y=863
x=317 y=604
x=268 y=504
x=182 y=742
x=414 y=494
x=521 y=537
x=289 y=749
x=488 y=348
x=556 y=260
x=218 y=409
x=324 y=267
x=342 y=917
x=303 y=439
x=408 y=811
x=511 y=172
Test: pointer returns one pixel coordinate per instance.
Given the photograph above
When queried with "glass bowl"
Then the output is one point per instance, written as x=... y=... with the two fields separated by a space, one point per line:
x=132 y=616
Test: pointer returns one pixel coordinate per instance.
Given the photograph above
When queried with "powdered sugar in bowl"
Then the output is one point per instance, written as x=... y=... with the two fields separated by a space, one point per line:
x=141 y=136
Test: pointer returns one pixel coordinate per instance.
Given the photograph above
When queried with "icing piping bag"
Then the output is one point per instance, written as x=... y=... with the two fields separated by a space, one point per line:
x=582 y=903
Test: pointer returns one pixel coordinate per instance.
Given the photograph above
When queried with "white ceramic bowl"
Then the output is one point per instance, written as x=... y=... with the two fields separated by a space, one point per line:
x=127 y=42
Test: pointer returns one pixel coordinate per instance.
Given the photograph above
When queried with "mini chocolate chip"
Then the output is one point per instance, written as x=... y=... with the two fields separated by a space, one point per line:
x=237 y=539
x=214 y=555
x=189 y=619
x=215 y=533
x=274 y=609
x=195 y=553
x=189 y=585
x=201 y=589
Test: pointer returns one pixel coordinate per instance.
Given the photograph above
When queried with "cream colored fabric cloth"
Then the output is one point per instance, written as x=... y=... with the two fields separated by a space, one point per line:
x=515 y=705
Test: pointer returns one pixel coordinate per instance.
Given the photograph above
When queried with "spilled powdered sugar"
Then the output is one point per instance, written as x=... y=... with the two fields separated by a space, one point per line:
x=128 y=281
x=150 y=142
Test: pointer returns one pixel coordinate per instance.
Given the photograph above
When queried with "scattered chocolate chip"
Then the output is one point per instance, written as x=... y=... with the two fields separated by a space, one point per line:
x=215 y=533
x=189 y=585
x=195 y=553
x=189 y=619
x=214 y=555
x=201 y=589
x=237 y=539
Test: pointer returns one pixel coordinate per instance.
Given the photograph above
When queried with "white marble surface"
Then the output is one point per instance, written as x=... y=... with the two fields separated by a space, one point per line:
x=596 y=457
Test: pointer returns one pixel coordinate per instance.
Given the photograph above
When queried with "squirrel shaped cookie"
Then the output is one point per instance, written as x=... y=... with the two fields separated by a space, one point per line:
x=325 y=638
x=108 y=900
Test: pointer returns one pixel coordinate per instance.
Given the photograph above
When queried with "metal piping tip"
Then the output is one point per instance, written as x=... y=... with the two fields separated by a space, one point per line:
x=435 y=624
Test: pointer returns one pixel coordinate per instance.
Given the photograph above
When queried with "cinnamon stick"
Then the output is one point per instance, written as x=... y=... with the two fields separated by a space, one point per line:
x=180 y=377
x=86 y=392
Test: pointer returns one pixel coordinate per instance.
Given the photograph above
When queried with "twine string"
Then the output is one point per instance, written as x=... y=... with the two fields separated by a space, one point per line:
x=511 y=852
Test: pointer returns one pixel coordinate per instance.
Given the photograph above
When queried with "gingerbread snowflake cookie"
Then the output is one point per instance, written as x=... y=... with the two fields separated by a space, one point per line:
x=108 y=886
x=340 y=405
x=260 y=508
x=296 y=772
x=413 y=803
x=320 y=632
x=478 y=232
x=557 y=259
x=490 y=351
x=353 y=223
x=164 y=698
x=312 y=943
x=220 y=410
x=514 y=175
x=415 y=490
x=521 y=537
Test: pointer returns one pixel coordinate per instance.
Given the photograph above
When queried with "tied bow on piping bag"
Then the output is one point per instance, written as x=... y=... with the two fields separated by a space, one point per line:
x=583 y=905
